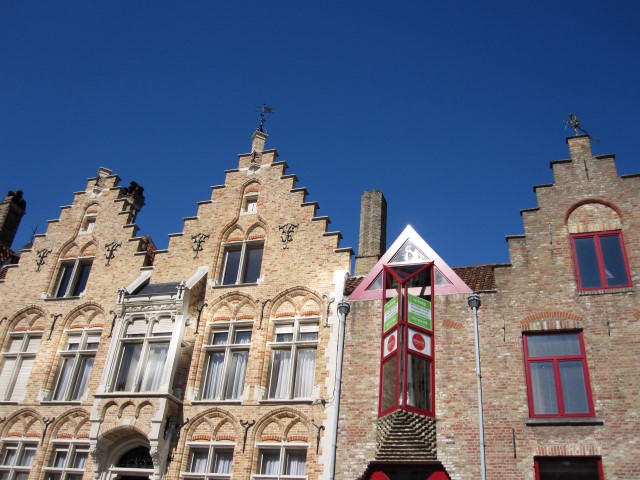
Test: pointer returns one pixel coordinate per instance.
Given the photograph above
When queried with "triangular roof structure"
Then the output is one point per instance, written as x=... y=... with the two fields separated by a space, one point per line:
x=409 y=248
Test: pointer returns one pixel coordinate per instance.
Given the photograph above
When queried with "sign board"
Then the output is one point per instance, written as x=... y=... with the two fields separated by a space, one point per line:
x=420 y=342
x=390 y=313
x=390 y=343
x=419 y=312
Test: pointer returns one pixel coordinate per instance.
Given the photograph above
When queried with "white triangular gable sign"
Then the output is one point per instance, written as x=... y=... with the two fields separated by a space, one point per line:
x=409 y=247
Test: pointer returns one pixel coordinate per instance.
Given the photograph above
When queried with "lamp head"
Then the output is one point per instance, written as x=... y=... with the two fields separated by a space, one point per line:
x=474 y=301
x=343 y=308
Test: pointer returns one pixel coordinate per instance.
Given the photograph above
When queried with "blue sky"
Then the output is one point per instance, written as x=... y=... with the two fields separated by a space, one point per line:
x=453 y=109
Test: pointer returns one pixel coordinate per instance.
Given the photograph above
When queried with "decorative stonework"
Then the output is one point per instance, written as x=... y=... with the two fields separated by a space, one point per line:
x=406 y=436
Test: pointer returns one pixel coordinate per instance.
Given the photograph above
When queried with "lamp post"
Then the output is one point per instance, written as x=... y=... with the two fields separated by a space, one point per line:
x=343 y=309
x=474 y=302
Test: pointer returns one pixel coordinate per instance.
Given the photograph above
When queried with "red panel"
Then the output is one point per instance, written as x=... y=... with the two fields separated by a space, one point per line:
x=378 y=476
x=438 y=476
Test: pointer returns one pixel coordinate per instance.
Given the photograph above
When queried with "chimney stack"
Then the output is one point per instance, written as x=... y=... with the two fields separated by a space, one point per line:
x=12 y=210
x=373 y=231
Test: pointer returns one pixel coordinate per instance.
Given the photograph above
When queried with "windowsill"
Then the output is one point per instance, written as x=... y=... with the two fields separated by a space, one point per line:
x=563 y=421
x=49 y=299
x=235 y=285
x=225 y=402
x=604 y=291
x=9 y=402
x=60 y=402
x=138 y=394
x=271 y=401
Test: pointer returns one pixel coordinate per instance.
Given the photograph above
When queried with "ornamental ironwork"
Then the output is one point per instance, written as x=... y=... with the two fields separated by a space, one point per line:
x=287 y=233
x=111 y=251
x=198 y=242
x=43 y=253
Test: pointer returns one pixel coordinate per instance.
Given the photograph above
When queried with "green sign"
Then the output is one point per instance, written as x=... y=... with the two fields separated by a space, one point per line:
x=419 y=312
x=390 y=313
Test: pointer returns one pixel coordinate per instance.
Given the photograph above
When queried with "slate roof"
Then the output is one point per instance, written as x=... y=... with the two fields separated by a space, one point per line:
x=157 y=289
x=478 y=277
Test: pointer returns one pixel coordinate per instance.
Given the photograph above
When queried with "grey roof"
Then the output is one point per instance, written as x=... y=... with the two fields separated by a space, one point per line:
x=156 y=289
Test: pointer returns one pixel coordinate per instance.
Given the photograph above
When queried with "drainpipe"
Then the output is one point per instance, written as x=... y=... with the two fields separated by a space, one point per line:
x=343 y=310
x=475 y=302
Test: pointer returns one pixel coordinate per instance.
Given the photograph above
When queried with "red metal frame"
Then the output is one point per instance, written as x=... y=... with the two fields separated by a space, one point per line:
x=601 y=268
x=401 y=352
x=556 y=374
x=596 y=460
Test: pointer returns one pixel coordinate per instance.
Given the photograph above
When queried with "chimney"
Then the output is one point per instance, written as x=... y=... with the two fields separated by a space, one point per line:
x=373 y=231
x=12 y=210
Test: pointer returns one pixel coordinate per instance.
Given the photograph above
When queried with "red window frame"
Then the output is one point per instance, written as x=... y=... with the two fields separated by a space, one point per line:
x=556 y=360
x=600 y=259
x=596 y=460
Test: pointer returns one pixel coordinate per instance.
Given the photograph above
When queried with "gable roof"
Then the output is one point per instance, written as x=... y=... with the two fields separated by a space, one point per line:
x=409 y=247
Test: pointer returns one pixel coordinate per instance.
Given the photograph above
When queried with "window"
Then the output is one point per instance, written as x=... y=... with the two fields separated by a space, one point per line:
x=143 y=355
x=17 y=362
x=72 y=277
x=76 y=364
x=68 y=462
x=242 y=262
x=88 y=222
x=557 y=375
x=281 y=463
x=569 y=468
x=293 y=360
x=600 y=260
x=226 y=362
x=209 y=462
x=16 y=460
x=250 y=204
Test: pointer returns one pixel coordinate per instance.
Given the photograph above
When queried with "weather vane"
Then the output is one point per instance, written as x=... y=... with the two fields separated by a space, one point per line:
x=574 y=123
x=264 y=112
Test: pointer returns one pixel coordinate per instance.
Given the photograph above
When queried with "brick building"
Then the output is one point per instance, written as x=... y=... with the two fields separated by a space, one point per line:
x=216 y=358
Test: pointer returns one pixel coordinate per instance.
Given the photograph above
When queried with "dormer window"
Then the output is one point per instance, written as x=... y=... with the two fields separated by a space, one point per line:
x=88 y=222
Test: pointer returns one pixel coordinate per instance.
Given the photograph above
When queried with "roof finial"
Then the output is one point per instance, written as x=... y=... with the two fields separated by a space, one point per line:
x=264 y=111
x=574 y=123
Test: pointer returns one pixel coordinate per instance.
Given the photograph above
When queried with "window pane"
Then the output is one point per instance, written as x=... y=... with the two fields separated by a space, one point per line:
x=199 y=461
x=305 y=372
x=296 y=462
x=22 y=379
x=82 y=276
x=587 y=262
x=128 y=366
x=5 y=378
x=418 y=382
x=80 y=460
x=222 y=462
x=220 y=338
x=64 y=279
x=26 y=459
x=59 y=459
x=615 y=270
x=66 y=372
x=252 y=264
x=155 y=367
x=213 y=378
x=82 y=378
x=553 y=345
x=9 y=454
x=270 y=463
x=33 y=344
x=574 y=389
x=574 y=469
x=231 y=267
x=242 y=337
x=545 y=400
x=280 y=374
x=389 y=396
x=235 y=378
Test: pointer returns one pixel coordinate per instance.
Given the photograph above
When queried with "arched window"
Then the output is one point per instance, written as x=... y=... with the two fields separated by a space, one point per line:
x=76 y=364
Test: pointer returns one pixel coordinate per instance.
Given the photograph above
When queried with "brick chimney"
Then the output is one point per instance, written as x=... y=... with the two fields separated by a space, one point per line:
x=579 y=147
x=12 y=210
x=373 y=231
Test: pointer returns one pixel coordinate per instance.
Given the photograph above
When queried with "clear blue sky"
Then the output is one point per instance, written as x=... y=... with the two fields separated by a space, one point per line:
x=453 y=109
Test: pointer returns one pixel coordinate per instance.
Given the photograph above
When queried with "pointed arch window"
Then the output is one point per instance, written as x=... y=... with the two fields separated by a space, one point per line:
x=16 y=460
x=73 y=276
x=76 y=364
x=242 y=262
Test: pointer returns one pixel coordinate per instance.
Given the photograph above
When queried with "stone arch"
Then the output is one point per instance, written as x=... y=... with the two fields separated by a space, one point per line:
x=593 y=215
x=23 y=423
x=29 y=318
x=297 y=297
x=230 y=305
x=211 y=420
x=106 y=407
x=71 y=425
x=87 y=315
x=123 y=408
x=257 y=231
x=144 y=404
x=116 y=433
x=92 y=208
x=251 y=186
x=551 y=320
x=275 y=425
x=89 y=249
x=233 y=233
x=114 y=443
x=70 y=249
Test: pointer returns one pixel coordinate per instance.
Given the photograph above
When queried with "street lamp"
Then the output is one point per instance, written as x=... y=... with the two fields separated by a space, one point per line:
x=474 y=302
x=343 y=310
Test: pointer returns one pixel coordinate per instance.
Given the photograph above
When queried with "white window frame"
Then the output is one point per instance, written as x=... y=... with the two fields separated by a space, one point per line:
x=18 y=375
x=296 y=328
x=88 y=223
x=74 y=277
x=85 y=349
x=212 y=449
x=243 y=247
x=147 y=339
x=12 y=471
x=67 y=471
x=250 y=204
x=283 y=463
x=228 y=348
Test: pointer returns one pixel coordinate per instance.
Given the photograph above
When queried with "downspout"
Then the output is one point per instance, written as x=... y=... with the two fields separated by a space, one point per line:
x=475 y=302
x=343 y=310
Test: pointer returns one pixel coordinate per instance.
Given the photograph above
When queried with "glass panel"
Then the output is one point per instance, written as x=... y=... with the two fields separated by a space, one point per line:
x=82 y=379
x=545 y=399
x=33 y=344
x=81 y=278
x=253 y=263
x=22 y=379
x=50 y=476
x=409 y=253
x=93 y=341
x=66 y=371
x=574 y=469
x=574 y=389
x=75 y=476
x=15 y=345
x=9 y=454
x=587 y=262
x=441 y=279
x=231 y=268
x=213 y=379
x=26 y=459
x=155 y=367
x=296 y=462
x=220 y=338
x=128 y=366
x=377 y=283
x=270 y=463
x=235 y=378
x=80 y=459
x=242 y=337
x=615 y=269
x=21 y=476
x=59 y=458
x=222 y=462
x=64 y=279
x=419 y=382
x=553 y=345
x=389 y=396
x=305 y=372
x=73 y=343
x=280 y=374
x=5 y=378
x=199 y=461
